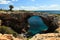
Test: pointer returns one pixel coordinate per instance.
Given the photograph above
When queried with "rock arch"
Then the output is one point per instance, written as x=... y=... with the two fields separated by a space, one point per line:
x=21 y=22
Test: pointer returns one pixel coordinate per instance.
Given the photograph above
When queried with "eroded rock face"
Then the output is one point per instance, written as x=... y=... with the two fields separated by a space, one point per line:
x=48 y=36
x=49 y=21
x=10 y=37
x=19 y=21
x=16 y=21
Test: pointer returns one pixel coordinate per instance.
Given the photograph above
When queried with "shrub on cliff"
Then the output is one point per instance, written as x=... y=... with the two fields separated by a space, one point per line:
x=7 y=30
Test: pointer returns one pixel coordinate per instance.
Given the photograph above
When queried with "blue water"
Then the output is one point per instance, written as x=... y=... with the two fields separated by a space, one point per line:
x=36 y=25
x=49 y=11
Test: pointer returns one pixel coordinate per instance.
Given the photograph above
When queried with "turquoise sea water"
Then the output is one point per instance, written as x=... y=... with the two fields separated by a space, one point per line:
x=36 y=25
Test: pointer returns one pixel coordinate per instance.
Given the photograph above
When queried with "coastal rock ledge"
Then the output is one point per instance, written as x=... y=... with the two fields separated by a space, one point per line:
x=10 y=37
x=47 y=36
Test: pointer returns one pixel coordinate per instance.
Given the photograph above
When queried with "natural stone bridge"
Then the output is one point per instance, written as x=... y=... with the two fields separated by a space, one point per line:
x=18 y=21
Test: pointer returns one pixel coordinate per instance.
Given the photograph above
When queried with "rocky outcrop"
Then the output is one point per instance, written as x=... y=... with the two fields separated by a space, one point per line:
x=49 y=21
x=48 y=36
x=18 y=22
x=10 y=37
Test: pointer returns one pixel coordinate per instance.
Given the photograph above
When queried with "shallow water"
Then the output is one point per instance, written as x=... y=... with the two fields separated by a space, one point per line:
x=36 y=25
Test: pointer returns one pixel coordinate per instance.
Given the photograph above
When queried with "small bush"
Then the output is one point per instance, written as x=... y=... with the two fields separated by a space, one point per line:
x=7 y=30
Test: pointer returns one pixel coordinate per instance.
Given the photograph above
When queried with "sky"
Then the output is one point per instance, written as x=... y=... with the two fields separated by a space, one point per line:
x=31 y=4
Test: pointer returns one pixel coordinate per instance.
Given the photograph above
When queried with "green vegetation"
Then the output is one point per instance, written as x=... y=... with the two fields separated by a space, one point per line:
x=11 y=7
x=7 y=30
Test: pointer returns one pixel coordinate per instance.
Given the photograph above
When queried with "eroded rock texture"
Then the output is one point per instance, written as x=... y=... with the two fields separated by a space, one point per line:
x=10 y=37
x=19 y=21
x=48 y=36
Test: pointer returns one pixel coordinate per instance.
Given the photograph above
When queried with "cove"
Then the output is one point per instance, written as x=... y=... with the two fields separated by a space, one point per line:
x=36 y=25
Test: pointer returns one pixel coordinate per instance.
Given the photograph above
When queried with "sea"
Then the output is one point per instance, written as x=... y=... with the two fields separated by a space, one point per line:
x=49 y=11
x=36 y=25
